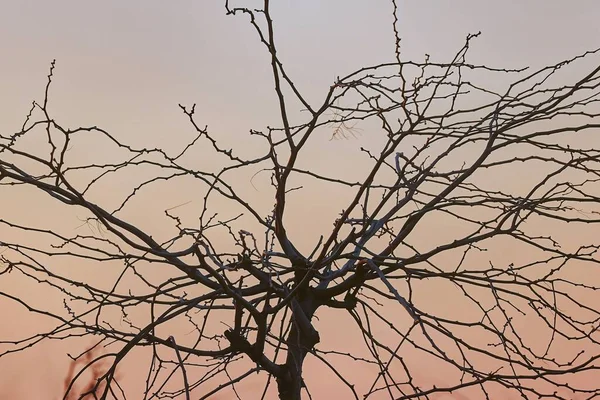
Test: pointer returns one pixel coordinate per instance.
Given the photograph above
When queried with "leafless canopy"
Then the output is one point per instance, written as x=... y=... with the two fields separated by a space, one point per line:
x=466 y=242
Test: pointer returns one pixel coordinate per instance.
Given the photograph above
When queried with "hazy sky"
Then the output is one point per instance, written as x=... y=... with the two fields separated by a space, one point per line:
x=126 y=64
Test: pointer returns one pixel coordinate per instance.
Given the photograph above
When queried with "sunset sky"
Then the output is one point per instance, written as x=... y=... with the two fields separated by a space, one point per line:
x=126 y=65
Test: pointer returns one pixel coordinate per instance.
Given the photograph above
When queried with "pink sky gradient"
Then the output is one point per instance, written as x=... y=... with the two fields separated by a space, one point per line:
x=126 y=66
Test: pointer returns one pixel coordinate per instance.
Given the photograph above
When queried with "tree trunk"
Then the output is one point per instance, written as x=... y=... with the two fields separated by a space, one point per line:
x=301 y=340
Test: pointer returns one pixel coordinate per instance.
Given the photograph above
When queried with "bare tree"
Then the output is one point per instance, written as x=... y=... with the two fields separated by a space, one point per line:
x=468 y=240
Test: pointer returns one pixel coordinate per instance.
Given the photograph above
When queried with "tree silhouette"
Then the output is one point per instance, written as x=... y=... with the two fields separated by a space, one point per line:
x=467 y=238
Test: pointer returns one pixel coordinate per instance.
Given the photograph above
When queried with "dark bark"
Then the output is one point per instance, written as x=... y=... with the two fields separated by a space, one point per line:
x=300 y=341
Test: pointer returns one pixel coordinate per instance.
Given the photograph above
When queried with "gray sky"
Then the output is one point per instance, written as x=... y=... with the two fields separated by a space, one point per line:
x=121 y=61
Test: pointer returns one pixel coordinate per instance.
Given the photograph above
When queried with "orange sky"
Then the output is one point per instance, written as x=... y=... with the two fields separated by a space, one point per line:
x=126 y=65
